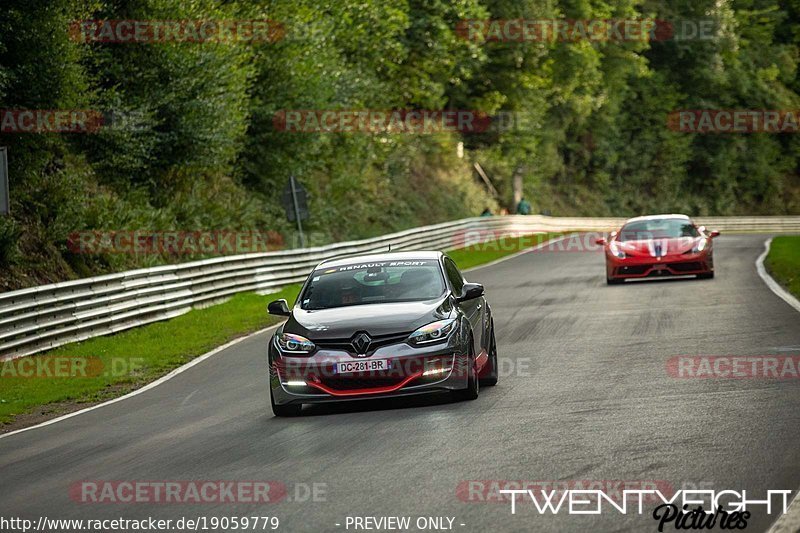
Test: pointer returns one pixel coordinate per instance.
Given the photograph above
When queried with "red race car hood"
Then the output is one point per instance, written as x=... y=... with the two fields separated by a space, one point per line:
x=657 y=247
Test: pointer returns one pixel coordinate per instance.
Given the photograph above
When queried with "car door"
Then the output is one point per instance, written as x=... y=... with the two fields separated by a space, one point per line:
x=473 y=309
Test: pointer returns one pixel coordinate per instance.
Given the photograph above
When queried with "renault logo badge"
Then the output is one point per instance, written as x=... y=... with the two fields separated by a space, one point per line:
x=361 y=344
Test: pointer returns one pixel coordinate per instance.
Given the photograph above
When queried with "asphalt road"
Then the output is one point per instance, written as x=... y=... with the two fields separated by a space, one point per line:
x=588 y=398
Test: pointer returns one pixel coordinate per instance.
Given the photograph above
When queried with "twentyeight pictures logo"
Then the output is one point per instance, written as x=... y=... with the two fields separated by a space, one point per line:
x=594 y=500
x=689 y=507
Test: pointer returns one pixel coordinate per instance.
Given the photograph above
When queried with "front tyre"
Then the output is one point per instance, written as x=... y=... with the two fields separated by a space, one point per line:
x=291 y=409
x=710 y=266
x=473 y=383
x=490 y=379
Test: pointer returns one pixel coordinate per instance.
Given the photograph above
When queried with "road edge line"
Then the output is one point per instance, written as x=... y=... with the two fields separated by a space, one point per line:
x=153 y=384
x=790 y=521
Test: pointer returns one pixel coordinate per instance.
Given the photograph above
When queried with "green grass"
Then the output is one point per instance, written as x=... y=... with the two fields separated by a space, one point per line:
x=783 y=262
x=106 y=367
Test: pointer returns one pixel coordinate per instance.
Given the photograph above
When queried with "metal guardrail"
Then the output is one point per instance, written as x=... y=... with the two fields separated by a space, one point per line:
x=40 y=318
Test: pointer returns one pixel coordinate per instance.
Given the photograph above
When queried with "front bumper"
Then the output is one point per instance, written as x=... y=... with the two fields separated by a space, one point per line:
x=411 y=370
x=633 y=267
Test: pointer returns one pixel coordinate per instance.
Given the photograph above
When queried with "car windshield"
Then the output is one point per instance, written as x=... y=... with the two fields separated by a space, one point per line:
x=373 y=282
x=660 y=228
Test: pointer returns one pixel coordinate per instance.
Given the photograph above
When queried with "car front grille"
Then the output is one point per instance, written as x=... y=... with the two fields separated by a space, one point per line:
x=377 y=342
x=686 y=267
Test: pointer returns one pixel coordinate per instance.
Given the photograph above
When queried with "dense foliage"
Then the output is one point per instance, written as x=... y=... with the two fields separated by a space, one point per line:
x=197 y=147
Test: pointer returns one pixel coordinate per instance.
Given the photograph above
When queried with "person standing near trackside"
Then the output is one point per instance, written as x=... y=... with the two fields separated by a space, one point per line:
x=524 y=207
x=486 y=212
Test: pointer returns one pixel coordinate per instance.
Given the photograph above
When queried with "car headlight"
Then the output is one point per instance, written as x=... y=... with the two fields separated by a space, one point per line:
x=433 y=332
x=291 y=343
x=700 y=246
x=615 y=251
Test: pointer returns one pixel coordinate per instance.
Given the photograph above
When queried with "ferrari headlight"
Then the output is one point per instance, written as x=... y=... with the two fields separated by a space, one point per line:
x=291 y=343
x=615 y=251
x=700 y=246
x=433 y=332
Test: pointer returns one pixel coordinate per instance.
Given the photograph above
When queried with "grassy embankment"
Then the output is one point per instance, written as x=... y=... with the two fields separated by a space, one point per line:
x=783 y=262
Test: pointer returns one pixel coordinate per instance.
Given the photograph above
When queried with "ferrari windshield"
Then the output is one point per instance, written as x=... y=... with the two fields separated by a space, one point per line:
x=373 y=282
x=659 y=228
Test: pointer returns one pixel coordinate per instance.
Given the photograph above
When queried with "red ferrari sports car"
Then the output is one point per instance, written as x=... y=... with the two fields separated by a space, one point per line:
x=659 y=245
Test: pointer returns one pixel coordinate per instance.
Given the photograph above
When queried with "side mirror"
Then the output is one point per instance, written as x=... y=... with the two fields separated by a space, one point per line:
x=714 y=233
x=601 y=241
x=470 y=291
x=279 y=308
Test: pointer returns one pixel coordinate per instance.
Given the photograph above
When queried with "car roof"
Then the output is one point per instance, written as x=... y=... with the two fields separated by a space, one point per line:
x=384 y=256
x=657 y=217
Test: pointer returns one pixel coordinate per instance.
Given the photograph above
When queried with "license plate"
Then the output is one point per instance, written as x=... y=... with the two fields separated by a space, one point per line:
x=362 y=366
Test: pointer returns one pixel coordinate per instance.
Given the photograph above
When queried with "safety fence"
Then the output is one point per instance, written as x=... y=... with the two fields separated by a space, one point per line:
x=44 y=317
